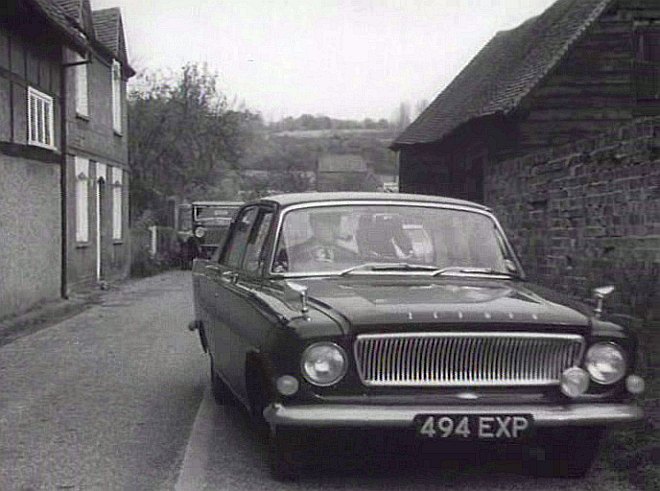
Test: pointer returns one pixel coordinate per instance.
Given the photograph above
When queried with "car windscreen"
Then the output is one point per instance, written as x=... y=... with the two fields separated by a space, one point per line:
x=333 y=238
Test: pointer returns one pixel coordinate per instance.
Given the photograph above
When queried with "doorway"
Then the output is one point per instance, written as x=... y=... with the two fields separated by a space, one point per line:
x=100 y=199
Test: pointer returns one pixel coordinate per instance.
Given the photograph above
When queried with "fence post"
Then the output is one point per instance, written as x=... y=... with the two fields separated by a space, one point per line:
x=154 y=240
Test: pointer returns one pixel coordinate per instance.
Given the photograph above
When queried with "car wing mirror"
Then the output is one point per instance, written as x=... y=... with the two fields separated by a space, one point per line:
x=600 y=294
x=295 y=296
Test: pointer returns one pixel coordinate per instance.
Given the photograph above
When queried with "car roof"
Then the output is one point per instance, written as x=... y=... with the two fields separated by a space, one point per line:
x=316 y=197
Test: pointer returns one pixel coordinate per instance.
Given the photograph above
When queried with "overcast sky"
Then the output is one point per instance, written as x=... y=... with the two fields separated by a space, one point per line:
x=342 y=58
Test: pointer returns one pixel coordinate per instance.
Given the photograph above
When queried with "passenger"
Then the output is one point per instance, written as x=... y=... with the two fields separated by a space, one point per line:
x=321 y=247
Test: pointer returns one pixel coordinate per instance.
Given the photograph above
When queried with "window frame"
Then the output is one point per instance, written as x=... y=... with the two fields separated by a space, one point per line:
x=265 y=245
x=117 y=183
x=46 y=114
x=115 y=89
x=82 y=96
x=226 y=250
x=82 y=178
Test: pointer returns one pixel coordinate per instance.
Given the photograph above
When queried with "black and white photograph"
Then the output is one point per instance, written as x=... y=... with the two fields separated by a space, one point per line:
x=330 y=244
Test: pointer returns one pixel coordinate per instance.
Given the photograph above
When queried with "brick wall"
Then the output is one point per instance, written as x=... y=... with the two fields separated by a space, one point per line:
x=587 y=214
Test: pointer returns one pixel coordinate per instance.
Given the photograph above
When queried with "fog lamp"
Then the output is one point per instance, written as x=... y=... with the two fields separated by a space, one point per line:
x=287 y=385
x=574 y=382
x=200 y=232
x=635 y=384
x=324 y=364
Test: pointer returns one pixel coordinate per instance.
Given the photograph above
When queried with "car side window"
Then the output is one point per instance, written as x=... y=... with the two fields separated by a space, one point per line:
x=239 y=239
x=254 y=252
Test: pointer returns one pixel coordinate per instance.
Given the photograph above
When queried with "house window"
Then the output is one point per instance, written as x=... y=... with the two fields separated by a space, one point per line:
x=82 y=100
x=40 y=119
x=82 y=199
x=116 y=96
x=647 y=62
x=117 y=216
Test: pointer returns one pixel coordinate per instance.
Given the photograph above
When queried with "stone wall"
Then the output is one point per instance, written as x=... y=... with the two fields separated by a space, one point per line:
x=588 y=214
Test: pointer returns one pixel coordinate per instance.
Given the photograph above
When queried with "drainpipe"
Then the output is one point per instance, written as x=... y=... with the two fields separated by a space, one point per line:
x=63 y=172
x=63 y=179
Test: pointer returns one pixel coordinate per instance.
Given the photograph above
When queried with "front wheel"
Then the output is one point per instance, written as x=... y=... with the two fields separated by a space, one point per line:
x=219 y=389
x=286 y=453
x=568 y=452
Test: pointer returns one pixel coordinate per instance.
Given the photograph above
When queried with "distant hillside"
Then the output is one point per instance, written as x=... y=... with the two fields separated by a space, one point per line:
x=386 y=135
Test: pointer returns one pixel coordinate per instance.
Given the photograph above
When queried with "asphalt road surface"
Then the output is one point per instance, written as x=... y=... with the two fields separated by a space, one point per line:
x=116 y=398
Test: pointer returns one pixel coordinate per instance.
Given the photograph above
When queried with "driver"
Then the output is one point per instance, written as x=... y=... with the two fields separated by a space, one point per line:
x=322 y=246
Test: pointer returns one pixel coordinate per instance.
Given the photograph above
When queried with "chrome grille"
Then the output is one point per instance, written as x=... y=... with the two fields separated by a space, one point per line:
x=465 y=359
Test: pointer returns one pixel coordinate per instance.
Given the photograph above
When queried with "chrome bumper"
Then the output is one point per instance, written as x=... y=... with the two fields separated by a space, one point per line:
x=402 y=416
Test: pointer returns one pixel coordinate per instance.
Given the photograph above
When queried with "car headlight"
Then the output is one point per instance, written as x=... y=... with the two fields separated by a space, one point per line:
x=606 y=363
x=324 y=364
x=200 y=232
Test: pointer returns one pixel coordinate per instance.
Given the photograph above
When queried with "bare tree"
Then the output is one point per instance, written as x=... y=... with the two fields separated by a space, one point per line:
x=184 y=135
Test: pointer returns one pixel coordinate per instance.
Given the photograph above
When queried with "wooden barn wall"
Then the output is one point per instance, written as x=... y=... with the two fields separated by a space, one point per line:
x=592 y=89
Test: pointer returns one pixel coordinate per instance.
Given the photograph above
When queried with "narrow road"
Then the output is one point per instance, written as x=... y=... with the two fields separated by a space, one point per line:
x=117 y=398
x=106 y=399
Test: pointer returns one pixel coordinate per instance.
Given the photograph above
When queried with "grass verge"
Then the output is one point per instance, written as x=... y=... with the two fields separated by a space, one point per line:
x=634 y=453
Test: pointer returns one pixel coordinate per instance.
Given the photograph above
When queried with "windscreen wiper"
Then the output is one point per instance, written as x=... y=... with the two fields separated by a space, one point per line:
x=388 y=267
x=472 y=270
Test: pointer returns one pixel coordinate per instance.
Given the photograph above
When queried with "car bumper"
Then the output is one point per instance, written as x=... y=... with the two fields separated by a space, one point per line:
x=403 y=416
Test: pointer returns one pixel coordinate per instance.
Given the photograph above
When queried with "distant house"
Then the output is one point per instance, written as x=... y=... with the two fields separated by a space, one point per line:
x=555 y=124
x=97 y=148
x=345 y=172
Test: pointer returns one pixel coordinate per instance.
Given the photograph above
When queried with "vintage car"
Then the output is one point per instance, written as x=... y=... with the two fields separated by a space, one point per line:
x=386 y=311
x=202 y=227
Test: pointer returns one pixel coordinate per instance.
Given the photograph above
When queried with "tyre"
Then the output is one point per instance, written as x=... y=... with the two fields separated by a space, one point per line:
x=219 y=389
x=568 y=452
x=286 y=446
x=259 y=397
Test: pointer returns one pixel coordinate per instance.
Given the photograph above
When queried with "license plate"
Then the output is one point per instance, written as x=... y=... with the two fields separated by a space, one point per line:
x=474 y=427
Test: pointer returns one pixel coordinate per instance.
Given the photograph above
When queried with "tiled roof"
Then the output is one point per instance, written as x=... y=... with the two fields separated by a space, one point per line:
x=80 y=12
x=505 y=70
x=110 y=33
x=71 y=8
x=59 y=18
x=106 y=26
x=342 y=163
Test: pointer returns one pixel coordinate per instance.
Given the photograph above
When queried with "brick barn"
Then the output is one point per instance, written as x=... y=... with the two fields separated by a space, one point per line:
x=555 y=125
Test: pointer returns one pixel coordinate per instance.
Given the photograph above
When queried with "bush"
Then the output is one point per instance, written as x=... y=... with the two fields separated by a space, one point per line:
x=142 y=262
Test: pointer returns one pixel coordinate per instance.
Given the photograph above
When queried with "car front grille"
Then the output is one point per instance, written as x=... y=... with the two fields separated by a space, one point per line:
x=445 y=359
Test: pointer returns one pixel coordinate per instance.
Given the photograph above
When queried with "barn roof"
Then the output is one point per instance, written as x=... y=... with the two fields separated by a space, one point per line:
x=504 y=71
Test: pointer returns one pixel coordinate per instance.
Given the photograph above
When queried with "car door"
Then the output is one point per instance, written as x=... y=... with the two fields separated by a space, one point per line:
x=240 y=324
x=249 y=323
x=220 y=290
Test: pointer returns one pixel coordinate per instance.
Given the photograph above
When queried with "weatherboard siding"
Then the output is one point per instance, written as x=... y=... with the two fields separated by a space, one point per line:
x=589 y=91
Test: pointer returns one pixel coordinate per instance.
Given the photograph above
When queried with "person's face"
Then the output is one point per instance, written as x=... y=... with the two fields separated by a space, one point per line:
x=324 y=228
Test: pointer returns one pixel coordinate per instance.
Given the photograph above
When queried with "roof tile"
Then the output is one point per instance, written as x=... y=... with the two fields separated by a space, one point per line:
x=505 y=70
